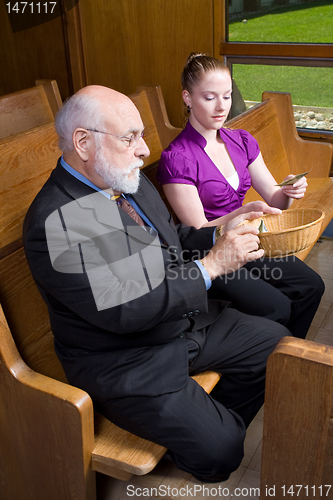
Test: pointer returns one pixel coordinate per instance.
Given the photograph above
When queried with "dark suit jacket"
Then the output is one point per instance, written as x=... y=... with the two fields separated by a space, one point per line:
x=137 y=347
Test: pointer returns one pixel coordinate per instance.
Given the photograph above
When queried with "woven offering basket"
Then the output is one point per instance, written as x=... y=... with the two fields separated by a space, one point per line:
x=289 y=232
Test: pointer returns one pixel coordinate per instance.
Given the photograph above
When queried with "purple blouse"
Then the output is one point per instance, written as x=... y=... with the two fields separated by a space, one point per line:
x=185 y=161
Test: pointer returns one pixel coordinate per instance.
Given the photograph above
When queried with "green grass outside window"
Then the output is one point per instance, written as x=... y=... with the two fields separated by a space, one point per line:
x=310 y=22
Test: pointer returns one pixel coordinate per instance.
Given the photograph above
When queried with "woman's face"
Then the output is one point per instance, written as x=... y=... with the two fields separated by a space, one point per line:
x=210 y=100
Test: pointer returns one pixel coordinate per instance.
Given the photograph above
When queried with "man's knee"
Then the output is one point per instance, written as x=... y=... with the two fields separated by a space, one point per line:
x=224 y=458
x=269 y=332
x=278 y=331
x=214 y=458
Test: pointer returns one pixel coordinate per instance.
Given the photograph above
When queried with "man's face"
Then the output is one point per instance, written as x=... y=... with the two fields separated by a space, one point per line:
x=118 y=157
x=122 y=180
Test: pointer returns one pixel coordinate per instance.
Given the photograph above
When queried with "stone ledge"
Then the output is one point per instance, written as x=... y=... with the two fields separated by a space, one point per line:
x=310 y=117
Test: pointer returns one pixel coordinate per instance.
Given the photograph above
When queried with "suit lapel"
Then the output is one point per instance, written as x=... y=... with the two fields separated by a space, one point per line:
x=157 y=212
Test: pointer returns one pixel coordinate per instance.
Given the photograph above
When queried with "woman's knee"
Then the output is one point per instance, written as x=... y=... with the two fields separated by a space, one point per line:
x=275 y=307
x=317 y=284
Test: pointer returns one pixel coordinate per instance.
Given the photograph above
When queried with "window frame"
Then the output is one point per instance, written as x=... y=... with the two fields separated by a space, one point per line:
x=270 y=53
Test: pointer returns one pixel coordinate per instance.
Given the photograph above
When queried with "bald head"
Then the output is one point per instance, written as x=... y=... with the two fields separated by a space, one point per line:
x=93 y=107
x=110 y=101
x=103 y=93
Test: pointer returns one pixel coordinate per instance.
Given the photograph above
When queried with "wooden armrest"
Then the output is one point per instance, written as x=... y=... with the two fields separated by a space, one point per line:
x=46 y=425
x=120 y=454
x=207 y=380
x=298 y=425
x=21 y=373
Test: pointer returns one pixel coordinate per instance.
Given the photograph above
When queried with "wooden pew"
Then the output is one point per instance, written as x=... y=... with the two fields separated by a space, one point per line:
x=51 y=444
x=51 y=441
x=298 y=425
x=272 y=123
x=298 y=431
x=29 y=108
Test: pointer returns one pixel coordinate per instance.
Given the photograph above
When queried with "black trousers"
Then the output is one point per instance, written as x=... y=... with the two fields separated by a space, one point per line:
x=205 y=433
x=285 y=290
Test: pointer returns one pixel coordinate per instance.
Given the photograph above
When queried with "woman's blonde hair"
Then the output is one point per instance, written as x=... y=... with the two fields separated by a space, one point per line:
x=196 y=65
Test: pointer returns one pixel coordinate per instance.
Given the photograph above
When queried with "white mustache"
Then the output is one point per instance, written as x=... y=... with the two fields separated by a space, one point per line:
x=135 y=165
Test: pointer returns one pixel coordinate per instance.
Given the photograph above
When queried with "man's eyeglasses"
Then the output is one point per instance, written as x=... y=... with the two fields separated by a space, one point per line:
x=130 y=141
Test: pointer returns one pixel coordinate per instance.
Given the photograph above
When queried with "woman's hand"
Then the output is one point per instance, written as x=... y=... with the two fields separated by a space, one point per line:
x=296 y=190
x=241 y=217
x=259 y=206
x=265 y=184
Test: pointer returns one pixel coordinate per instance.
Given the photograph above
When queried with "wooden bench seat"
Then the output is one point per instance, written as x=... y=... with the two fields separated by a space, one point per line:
x=29 y=108
x=51 y=441
x=272 y=123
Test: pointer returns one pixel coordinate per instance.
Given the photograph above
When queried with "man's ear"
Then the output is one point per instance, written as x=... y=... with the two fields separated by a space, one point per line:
x=82 y=142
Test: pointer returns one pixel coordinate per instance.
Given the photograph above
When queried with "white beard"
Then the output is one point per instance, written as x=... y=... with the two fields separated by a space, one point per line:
x=115 y=177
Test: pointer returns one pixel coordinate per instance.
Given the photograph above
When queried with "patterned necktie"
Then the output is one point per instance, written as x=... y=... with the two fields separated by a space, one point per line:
x=127 y=207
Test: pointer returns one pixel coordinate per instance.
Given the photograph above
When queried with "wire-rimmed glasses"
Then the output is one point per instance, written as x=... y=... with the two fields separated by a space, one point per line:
x=131 y=141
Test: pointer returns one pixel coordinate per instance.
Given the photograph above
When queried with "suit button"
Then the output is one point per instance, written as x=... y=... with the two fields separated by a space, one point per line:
x=181 y=336
x=196 y=312
x=184 y=316
x=190 y=314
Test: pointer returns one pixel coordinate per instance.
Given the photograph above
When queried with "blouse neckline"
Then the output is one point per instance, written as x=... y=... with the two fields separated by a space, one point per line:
x=195 y=136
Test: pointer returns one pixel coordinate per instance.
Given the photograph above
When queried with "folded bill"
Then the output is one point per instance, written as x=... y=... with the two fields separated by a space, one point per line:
x=292 y=180
x=262 y=227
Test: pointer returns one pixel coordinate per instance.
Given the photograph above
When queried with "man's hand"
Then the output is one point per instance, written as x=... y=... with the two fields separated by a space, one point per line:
x=235 y=247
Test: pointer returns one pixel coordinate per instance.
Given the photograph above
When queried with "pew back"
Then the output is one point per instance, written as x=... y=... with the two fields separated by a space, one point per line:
x=29 y=108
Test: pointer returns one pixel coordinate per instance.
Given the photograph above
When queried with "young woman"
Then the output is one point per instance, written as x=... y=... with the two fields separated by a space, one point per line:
x=206 y=172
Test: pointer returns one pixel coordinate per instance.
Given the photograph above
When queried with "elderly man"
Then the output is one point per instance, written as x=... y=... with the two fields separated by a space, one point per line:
x=130 y=316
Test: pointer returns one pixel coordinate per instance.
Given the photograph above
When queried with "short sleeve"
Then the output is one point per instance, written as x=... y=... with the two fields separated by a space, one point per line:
x=251 y=145
x=176 y=168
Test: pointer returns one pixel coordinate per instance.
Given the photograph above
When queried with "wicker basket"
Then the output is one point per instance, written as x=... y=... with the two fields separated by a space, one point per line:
x=289 y=232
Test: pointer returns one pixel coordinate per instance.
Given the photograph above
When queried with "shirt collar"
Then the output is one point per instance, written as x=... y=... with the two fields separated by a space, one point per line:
x=82 y=178
x=193 y=135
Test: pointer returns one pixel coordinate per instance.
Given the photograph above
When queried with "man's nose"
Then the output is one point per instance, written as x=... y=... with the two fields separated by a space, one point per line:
x=142 y=148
